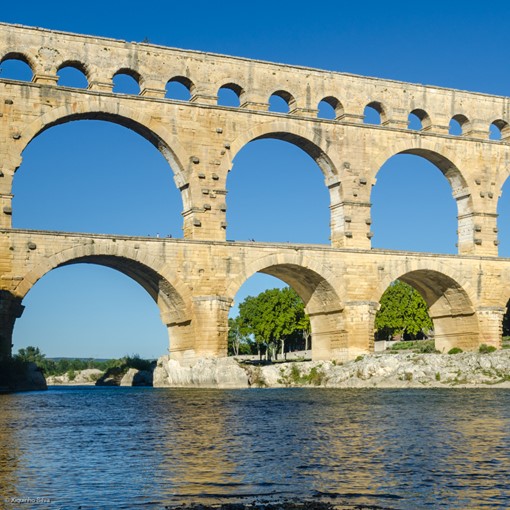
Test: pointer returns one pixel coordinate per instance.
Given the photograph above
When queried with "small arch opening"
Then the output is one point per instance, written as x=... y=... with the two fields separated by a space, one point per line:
x=72 y=75
x=179 y=88
x=418 y=120
x=330 y=108
x=126 y=81
x=459 y=125
x=230 y=95
x=373 y=113
x=414 y=123
x=499 y=130
x=281 y=102
x=15 y=66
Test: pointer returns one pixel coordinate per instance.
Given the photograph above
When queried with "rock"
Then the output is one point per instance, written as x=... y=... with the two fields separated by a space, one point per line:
x=134 y=377
x=383 y=370
x=203 y=373
x=111 y=377
x=28 y=377
x=85 y=377
x=34 y=380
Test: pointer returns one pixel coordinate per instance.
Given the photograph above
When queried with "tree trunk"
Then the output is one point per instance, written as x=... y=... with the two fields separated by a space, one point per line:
x=306 y=335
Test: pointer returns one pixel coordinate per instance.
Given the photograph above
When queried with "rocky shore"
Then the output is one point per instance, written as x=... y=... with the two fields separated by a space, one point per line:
x=384 y=370
x=95 y=377
x=381 y=370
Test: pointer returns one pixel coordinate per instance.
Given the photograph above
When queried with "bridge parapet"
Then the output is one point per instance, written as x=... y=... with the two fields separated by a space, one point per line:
x=153 y=66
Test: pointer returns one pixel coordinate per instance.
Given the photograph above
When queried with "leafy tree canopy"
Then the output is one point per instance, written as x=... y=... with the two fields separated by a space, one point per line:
x=31 y=355
x=273 y=316
x=403 y=310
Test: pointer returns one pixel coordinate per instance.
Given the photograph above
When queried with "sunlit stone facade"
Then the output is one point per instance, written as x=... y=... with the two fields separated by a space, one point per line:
x=194 y=280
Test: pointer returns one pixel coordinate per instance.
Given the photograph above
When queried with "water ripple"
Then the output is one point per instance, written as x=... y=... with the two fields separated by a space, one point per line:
x=150 y=448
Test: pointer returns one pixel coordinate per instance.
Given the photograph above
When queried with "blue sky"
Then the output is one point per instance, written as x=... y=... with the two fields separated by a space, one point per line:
x=86 y=310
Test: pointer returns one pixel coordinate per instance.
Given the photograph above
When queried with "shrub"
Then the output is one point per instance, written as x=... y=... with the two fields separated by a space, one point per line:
x=421 y=346
x=316 y=376
x=486 y=349
x=294 y=377
x=438 y=376
x=359 y=358
x=455 y=350
x=135 y=361
x=427 y=347
x=256 y=377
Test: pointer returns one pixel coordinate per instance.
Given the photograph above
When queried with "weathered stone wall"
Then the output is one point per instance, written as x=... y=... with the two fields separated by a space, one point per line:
x=194 y=284
x=195 y=280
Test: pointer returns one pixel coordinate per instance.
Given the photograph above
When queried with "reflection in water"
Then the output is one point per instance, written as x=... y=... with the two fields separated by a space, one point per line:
x=11 y=457
x=198 y=460
x=141 y=447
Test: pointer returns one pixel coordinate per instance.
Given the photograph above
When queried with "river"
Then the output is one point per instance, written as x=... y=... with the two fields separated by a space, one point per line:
x=130 y=448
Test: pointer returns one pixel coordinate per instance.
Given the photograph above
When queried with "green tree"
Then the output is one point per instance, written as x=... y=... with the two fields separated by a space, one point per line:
x=271 y=317
x=31 y=355
x=238 y=337
x=403 y=310
x=306 y=329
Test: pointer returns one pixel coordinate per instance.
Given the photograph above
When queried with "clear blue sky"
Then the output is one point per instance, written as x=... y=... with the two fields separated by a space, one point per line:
x=86 y=310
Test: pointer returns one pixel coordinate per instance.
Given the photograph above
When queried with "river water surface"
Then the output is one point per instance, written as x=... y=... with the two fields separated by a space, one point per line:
x=130 y=448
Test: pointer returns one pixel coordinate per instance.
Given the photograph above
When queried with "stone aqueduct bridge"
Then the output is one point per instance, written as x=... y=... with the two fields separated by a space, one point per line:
x=194 y=280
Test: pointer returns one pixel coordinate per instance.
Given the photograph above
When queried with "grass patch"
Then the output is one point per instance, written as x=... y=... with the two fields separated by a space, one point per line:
x=294 y=377
x=455 y=350
x=419 y=346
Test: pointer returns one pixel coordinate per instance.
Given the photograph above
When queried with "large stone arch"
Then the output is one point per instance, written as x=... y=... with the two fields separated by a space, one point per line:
x=116 y=112
x=316 y=287
x=443 y=158
x=446 y=160
x=317 y=146
x=450 y=302
x=314 y=143
x=172 y=297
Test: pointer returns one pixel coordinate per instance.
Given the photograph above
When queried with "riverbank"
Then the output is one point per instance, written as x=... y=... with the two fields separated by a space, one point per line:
x=18 y=375
x=117 y=376
x=382 y=370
